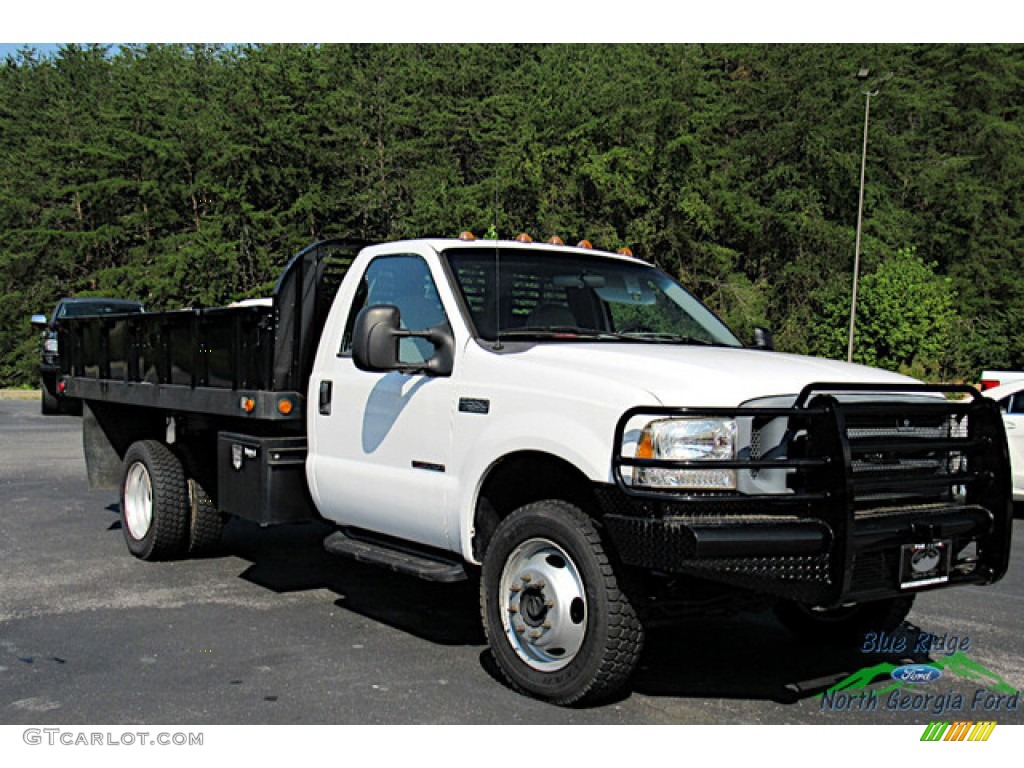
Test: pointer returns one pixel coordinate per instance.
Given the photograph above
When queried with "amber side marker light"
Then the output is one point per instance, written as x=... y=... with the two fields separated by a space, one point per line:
x=284 y=407
x=247 y=404
x=645 y=449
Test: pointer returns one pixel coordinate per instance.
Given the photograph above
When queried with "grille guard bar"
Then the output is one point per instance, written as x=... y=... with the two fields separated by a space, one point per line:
x=849 y=461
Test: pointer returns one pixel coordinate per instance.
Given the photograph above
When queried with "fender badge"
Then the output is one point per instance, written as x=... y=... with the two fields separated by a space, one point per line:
x=474 y=405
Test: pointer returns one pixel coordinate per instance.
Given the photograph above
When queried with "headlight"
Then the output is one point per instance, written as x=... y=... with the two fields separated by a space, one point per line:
x=50 y=345
x=707 y=440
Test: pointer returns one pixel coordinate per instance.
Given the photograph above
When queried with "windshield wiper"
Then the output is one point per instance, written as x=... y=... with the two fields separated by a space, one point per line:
x=668 y=338
x=560 y=332
x=569 y=333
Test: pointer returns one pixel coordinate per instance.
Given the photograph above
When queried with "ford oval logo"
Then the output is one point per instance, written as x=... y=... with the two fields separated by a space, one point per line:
x=916 y=673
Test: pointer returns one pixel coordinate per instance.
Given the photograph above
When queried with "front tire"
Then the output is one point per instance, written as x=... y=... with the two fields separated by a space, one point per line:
x=559 y=626
x=154 y=502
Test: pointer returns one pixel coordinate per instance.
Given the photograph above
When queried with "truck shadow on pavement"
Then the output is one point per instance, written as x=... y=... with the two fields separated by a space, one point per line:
x=746 y=656
x=291 y=558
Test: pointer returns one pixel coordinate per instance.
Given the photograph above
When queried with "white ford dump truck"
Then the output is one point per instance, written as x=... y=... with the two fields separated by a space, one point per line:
x=569 y=426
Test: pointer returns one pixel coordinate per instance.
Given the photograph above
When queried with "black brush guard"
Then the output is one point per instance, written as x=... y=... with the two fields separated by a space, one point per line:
x=875 y=476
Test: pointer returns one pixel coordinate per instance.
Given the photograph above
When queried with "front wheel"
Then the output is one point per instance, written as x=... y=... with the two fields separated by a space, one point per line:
x=559 y=626
x=154 y=502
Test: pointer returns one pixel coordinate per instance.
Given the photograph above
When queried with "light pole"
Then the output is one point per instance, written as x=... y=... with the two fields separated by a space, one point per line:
x=868 y=93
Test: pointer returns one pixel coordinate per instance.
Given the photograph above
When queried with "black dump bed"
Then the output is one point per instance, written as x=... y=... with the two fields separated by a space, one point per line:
x=232 y=361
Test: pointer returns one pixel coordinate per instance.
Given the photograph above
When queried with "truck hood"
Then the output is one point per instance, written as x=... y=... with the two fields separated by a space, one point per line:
x=698 y=376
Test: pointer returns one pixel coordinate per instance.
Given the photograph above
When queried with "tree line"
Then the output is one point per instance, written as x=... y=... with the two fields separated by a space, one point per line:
x=186 y=175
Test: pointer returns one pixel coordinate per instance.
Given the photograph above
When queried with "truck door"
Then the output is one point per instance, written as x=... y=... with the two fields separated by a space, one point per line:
x=381 y=454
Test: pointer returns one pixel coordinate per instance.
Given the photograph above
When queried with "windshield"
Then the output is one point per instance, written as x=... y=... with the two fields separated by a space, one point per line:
x=98 y=307
x=535 y=294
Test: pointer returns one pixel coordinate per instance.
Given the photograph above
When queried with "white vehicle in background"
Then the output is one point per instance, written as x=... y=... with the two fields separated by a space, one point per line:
x=1011 y=402
x=992 y=379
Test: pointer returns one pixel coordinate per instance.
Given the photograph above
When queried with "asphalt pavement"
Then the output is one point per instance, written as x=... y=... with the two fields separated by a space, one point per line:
x=271 y=629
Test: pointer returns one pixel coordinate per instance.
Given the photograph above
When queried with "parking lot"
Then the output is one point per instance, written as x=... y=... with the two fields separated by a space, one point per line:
x=271 y=629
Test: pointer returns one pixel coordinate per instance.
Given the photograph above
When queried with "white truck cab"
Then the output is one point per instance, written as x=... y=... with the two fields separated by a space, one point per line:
x=534 y=378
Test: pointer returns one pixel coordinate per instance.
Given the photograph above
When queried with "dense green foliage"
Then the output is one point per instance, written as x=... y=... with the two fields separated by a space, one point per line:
x=906 y=317
x=184 y=175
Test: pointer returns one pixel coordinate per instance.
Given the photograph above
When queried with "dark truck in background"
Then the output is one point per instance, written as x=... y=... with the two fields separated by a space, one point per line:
x=569 y=424
x=53 y=399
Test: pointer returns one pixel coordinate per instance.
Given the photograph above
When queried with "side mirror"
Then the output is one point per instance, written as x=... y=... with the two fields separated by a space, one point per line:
x=375 y=338
x=39 y=322
x=763 y=339
x=375 y=343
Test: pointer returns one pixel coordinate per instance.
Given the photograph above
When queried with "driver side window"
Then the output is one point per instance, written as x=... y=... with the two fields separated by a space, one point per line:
x=403 y=281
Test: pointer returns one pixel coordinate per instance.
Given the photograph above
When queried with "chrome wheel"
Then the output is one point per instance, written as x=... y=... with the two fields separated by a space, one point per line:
x=544 y=609
x=138 y=500
x=559 y=625
x=154 y=502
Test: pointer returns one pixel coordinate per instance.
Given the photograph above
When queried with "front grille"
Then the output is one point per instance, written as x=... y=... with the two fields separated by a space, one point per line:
x=755 y=443
x=875 y=570
x=921 y=431
x=908 y=451
x=870 y=451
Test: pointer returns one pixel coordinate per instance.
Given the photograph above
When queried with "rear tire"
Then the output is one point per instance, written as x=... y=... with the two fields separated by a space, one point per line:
x=154 y=502
x=206 y=523
x=559 y=626
x=846 y=624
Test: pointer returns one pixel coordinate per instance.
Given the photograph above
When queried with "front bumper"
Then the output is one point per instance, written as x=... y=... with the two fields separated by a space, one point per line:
x=867 y=509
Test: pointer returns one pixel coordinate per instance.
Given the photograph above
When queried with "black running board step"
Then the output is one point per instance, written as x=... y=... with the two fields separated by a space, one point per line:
x=400 y=556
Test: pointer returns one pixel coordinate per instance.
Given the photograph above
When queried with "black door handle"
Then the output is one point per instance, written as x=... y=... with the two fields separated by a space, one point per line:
x=325 y=398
